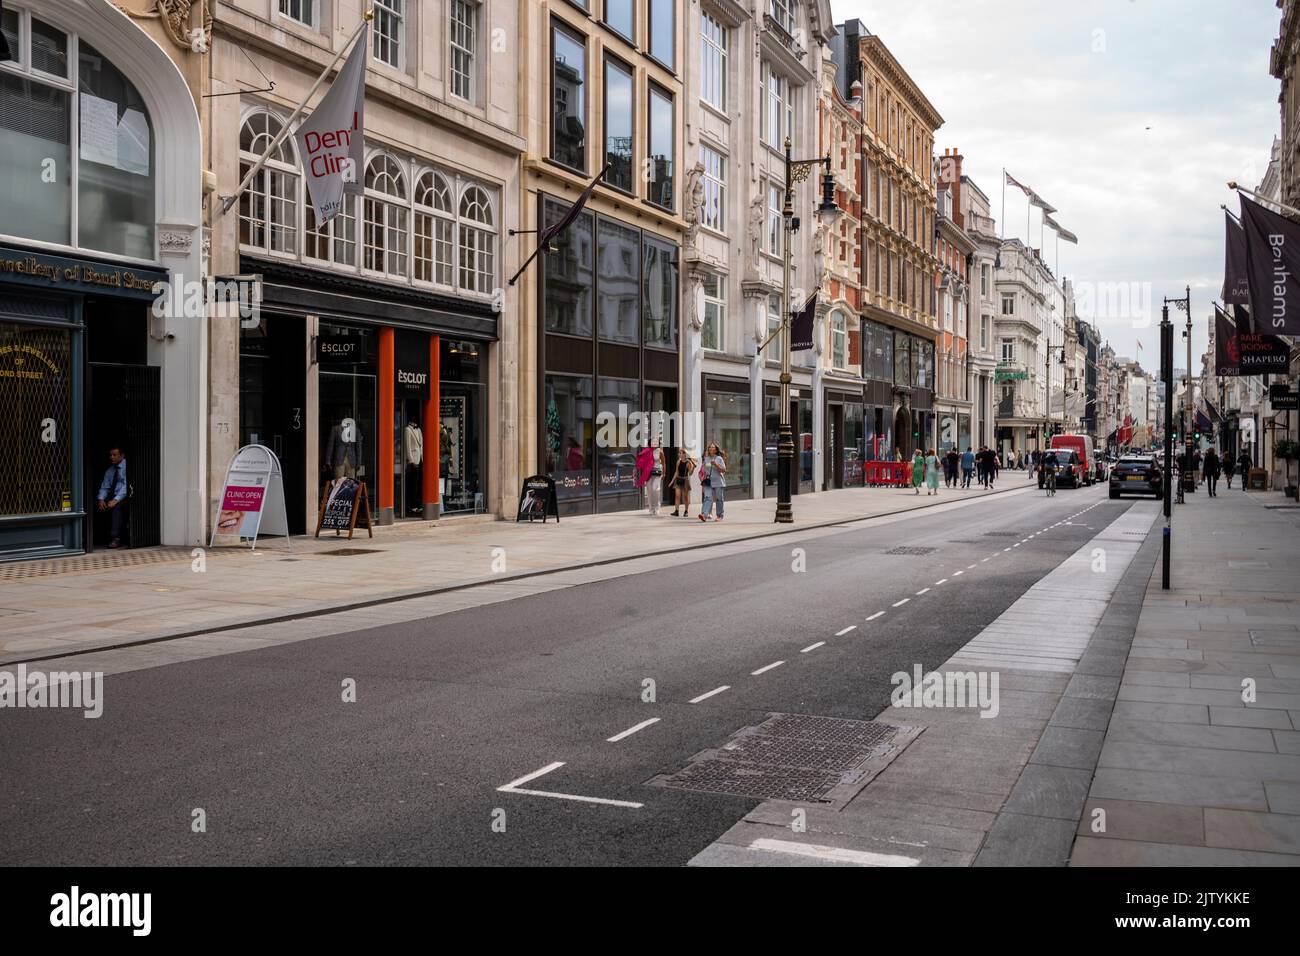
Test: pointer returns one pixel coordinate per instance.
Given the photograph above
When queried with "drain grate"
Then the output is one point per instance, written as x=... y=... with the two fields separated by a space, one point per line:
x=346 y=552
x=795 y=757
x=912 y=551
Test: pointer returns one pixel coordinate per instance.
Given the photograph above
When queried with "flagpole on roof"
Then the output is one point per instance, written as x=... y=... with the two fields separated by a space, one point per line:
x=228 y=201
x=1002 y=223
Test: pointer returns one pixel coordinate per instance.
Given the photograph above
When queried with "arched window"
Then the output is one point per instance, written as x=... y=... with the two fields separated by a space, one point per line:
x=434 y=222
x=52 y=84
x=387 y=215
x=477 y=242
x=268 y=208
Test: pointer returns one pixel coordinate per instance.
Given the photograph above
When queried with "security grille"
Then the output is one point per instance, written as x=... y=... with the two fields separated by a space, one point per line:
x=35 y=418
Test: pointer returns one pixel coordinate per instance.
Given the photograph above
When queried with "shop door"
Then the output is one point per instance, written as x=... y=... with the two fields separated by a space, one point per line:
x=408 y=454
x=347 y=426
x=660 y=398
x=124 y=407
x=834 y=446
x=272 y=390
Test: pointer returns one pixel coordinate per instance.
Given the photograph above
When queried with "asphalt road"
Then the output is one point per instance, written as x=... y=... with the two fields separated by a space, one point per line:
x=450 y=708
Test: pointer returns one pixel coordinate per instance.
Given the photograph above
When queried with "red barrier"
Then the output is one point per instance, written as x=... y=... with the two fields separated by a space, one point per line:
x=887 y=473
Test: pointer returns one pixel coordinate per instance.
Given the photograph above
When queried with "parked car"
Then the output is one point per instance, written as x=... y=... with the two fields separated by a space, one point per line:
x=1082 y=446
x=1069 y=470
x=1136 y=475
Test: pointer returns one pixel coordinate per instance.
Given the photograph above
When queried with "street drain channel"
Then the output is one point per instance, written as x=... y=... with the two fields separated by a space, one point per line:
x=795 y=757
x=912 y=551
x=347 y=552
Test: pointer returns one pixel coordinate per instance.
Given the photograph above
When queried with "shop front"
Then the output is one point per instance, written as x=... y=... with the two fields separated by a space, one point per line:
x=801 y=424
x=727 y=421
x=393 y=393
x=98 y=218
x=75 y=382
x=845 y=440
x=608 y=356
x=898 y=413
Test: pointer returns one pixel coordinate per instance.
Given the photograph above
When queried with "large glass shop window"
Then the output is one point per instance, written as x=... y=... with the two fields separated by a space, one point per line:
x=462 y=426
x=35 y=406
x=112 y=170
x=570 y=435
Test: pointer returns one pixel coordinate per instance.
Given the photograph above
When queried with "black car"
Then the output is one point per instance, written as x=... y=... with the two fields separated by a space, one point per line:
x=1069 y=472
x=1136 y=475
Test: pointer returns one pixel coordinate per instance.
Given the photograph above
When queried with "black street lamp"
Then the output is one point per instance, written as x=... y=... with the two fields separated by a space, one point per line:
x=796 y=171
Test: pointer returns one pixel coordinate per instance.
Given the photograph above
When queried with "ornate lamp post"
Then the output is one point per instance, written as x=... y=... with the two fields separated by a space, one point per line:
x=796 y=171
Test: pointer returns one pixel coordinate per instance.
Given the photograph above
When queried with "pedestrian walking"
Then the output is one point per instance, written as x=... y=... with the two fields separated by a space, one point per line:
x=918 y=471
x=952 y=464
x=713 y=478
x=967 y=467
x=932 y=473
x=1229 y=466
x=682 y=483
x=1196 y=465
x=995 y=466
x=1210 y=470
x=650 y=475
x=1244 y=464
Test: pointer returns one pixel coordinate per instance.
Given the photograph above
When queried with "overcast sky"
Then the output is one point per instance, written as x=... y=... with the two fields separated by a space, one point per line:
x=1062 y=95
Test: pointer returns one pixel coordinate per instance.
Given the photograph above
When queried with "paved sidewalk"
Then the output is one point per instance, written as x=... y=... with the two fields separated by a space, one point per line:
x=972 y=790
x=50 y=608
x=1191 y=773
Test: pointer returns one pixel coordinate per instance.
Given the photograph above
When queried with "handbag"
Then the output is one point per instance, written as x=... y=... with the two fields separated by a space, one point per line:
x=704 y=477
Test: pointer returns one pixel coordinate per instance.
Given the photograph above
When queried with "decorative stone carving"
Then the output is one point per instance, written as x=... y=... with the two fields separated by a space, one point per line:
x=176 y=21
x=694 y=204
x=756 y=219
x=694 y=292
x=174 y=242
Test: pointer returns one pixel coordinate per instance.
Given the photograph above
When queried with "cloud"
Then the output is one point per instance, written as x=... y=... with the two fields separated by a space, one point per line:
x=1062 y=96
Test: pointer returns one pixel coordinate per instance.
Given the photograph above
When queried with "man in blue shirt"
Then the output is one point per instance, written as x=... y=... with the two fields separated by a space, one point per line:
x=112 y=495
x=967 y=467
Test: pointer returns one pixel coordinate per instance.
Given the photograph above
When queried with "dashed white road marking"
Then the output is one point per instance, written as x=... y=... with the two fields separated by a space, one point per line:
x=631 y=730
x=902 y=602
x=513 y=787
x=922 y=591
x=982 y=560
x=940 y=581
x=969 y=566
x=716 y=690
x=955 y=573
x=846 y=630
x=1006 y=549
x=876 y=615
x=812 y=647
x=764 y=670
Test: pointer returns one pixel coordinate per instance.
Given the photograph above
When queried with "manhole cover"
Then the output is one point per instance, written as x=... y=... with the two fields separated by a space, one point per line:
x=345 y=552
x=912 y=551
x=795 y=757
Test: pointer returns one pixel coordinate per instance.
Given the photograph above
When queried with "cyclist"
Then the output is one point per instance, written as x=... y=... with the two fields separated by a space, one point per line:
x=1050 y=466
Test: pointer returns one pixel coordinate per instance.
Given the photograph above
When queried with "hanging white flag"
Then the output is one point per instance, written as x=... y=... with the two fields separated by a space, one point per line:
x=330 y=141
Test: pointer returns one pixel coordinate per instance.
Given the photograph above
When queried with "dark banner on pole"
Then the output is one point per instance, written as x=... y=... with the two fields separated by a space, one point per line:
x=801 y=326
x=1245 y=353
x=1272 y=269
x=1236 y=290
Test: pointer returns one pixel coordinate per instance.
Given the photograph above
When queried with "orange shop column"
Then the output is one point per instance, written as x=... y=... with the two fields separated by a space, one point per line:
x=384 y=427
x=433 y=433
